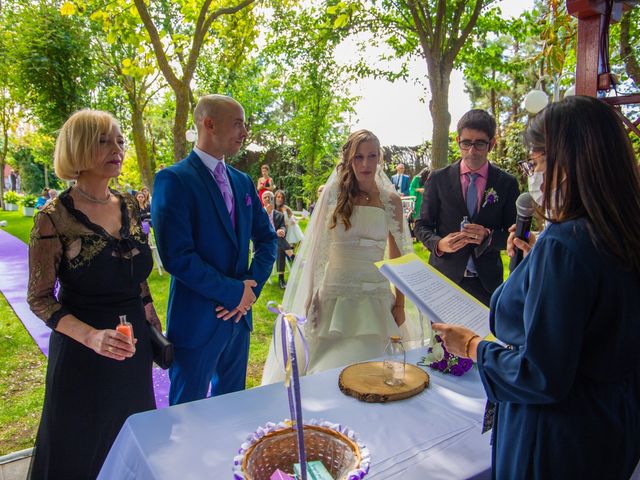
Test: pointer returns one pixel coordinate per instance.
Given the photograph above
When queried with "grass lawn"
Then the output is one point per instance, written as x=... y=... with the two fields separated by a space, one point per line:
x=22 y=366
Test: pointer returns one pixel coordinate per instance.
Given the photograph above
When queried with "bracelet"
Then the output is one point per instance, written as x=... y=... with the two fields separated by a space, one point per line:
x=466 y=348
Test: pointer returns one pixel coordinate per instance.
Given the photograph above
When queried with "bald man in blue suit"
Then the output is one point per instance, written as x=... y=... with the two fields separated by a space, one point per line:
x=204 y=213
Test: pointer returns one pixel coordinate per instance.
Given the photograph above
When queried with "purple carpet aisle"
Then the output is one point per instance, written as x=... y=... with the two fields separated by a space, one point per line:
x=14 y=275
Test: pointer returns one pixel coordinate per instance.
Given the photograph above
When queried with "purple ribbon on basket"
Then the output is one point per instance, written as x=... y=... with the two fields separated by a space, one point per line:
x=290 y=326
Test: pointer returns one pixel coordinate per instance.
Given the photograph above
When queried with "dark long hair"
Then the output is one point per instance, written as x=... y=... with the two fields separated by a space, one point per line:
x=348 y=184
x=590 y=158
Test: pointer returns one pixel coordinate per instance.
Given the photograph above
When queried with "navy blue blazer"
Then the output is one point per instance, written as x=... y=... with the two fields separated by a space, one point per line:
x=401 y=184
x=568 y=388
x=207 y=259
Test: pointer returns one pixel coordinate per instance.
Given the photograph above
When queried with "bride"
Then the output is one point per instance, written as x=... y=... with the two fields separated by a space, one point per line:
x=350 y=308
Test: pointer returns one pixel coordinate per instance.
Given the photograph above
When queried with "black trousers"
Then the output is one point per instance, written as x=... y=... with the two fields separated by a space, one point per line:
x=473 y=285
x=281 y=257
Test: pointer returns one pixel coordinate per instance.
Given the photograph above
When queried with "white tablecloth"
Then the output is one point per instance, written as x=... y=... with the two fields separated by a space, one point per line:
x=434 y=435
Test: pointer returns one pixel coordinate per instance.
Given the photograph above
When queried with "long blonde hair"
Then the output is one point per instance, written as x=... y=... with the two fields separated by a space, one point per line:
x=348 y=184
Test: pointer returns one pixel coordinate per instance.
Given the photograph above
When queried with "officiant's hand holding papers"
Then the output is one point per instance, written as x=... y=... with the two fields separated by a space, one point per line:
x=459 y=341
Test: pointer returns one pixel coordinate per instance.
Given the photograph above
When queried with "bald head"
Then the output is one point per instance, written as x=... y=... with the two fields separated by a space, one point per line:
x=221 y=125
x=213 y=106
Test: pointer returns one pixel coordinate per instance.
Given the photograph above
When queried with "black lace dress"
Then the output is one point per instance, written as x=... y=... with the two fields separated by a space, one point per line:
x=88 y=396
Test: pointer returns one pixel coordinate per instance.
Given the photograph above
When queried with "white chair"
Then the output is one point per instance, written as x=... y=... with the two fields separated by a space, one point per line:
x=154 y=253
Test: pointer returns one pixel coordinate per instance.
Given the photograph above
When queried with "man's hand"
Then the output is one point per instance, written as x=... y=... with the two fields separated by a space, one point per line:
x=514 y=242
x=452 y=242
x=248 y=298
x=281 y=233
x=475 y=233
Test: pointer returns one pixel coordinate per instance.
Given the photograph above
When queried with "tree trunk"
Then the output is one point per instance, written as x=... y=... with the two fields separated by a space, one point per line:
x=439 y=107
x=140 y=144
x=180 y=144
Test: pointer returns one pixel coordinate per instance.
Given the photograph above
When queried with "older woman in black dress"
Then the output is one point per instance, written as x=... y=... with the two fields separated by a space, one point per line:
x=90 y=241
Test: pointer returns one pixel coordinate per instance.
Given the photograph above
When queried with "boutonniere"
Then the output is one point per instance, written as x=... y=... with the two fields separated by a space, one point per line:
x=247 y=200
x=490 y=197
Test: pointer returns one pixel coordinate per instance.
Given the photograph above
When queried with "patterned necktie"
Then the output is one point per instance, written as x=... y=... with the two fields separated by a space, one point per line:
x=472 y=194
x=225 y=188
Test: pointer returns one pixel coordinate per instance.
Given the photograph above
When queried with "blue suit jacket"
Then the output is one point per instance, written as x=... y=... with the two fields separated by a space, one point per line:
x=198 y=246
x=401 y=184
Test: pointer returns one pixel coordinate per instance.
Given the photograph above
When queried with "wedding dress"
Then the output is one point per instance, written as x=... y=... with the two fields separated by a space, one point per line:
x=334 y=283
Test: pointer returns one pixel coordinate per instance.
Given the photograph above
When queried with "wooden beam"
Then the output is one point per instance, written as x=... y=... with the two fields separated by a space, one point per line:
x=623 y=99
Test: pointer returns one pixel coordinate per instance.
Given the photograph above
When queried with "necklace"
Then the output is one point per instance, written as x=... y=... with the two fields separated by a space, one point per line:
x=91 y=198
x=365 y=195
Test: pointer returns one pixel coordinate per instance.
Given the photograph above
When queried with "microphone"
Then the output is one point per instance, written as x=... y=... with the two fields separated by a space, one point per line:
x=525 y=206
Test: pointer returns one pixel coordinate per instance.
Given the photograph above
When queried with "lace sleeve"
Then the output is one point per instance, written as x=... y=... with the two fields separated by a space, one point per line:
x=45 y=254
x=145 y=293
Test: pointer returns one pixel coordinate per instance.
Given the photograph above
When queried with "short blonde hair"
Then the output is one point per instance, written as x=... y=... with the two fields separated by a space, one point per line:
x=78 y=141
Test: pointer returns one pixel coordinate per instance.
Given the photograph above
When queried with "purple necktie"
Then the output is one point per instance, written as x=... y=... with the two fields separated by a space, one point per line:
x=225 y=188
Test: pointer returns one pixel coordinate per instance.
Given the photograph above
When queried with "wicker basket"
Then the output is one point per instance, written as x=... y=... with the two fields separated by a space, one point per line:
x=278 y=449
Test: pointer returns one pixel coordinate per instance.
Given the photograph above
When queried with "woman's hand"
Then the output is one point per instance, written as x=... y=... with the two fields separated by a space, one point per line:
x=398 y=314
x=111 y=343
x=152 y=317
x=459 y=341
x=514 y=242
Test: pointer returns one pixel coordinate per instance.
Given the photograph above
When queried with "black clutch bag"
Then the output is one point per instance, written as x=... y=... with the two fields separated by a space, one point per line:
x=162 y=348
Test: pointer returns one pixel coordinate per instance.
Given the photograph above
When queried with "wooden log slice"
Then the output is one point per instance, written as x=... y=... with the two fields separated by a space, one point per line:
x=365 y=381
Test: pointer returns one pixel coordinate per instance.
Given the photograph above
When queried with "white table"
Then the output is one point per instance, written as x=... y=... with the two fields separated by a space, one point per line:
x=434 y=435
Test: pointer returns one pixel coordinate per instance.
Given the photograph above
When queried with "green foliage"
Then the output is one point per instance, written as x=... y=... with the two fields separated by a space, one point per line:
x=130 y=174
x=31 y=170
x=11 y=197
x=314 y=99
x=28 y=200
x=54 y=62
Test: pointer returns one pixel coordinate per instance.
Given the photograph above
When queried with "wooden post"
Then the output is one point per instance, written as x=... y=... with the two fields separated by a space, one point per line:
x=591 y=27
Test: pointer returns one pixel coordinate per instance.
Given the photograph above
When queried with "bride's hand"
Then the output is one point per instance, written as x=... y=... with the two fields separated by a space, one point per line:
x=398 y=314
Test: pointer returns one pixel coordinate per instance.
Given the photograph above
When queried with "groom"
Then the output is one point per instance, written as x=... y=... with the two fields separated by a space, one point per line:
x=204 y=214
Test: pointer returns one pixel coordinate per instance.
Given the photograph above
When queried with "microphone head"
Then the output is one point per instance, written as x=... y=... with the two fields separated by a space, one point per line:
x=525 y=205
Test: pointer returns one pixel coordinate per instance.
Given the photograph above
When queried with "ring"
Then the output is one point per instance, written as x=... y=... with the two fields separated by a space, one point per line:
x=109 y=349
x=476 y=237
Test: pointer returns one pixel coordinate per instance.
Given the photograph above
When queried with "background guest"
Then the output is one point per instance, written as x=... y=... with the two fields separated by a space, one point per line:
x=89 y=240
x=567 y=384
x=265 y=182
x=294 y=232
x=42 y=199
x=278 y=222
x=400 y=181
x=143 y=204
x=416 y=189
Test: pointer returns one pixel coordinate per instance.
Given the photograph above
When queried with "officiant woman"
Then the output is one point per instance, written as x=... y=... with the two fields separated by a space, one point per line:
x=567 y=384
x=89 y=239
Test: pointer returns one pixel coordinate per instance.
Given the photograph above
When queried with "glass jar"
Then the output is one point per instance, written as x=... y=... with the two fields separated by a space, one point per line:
x=394 y=362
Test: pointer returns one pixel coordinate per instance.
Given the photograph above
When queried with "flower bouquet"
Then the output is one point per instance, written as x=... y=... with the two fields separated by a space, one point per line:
x=440 y=359
x=279 y=449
